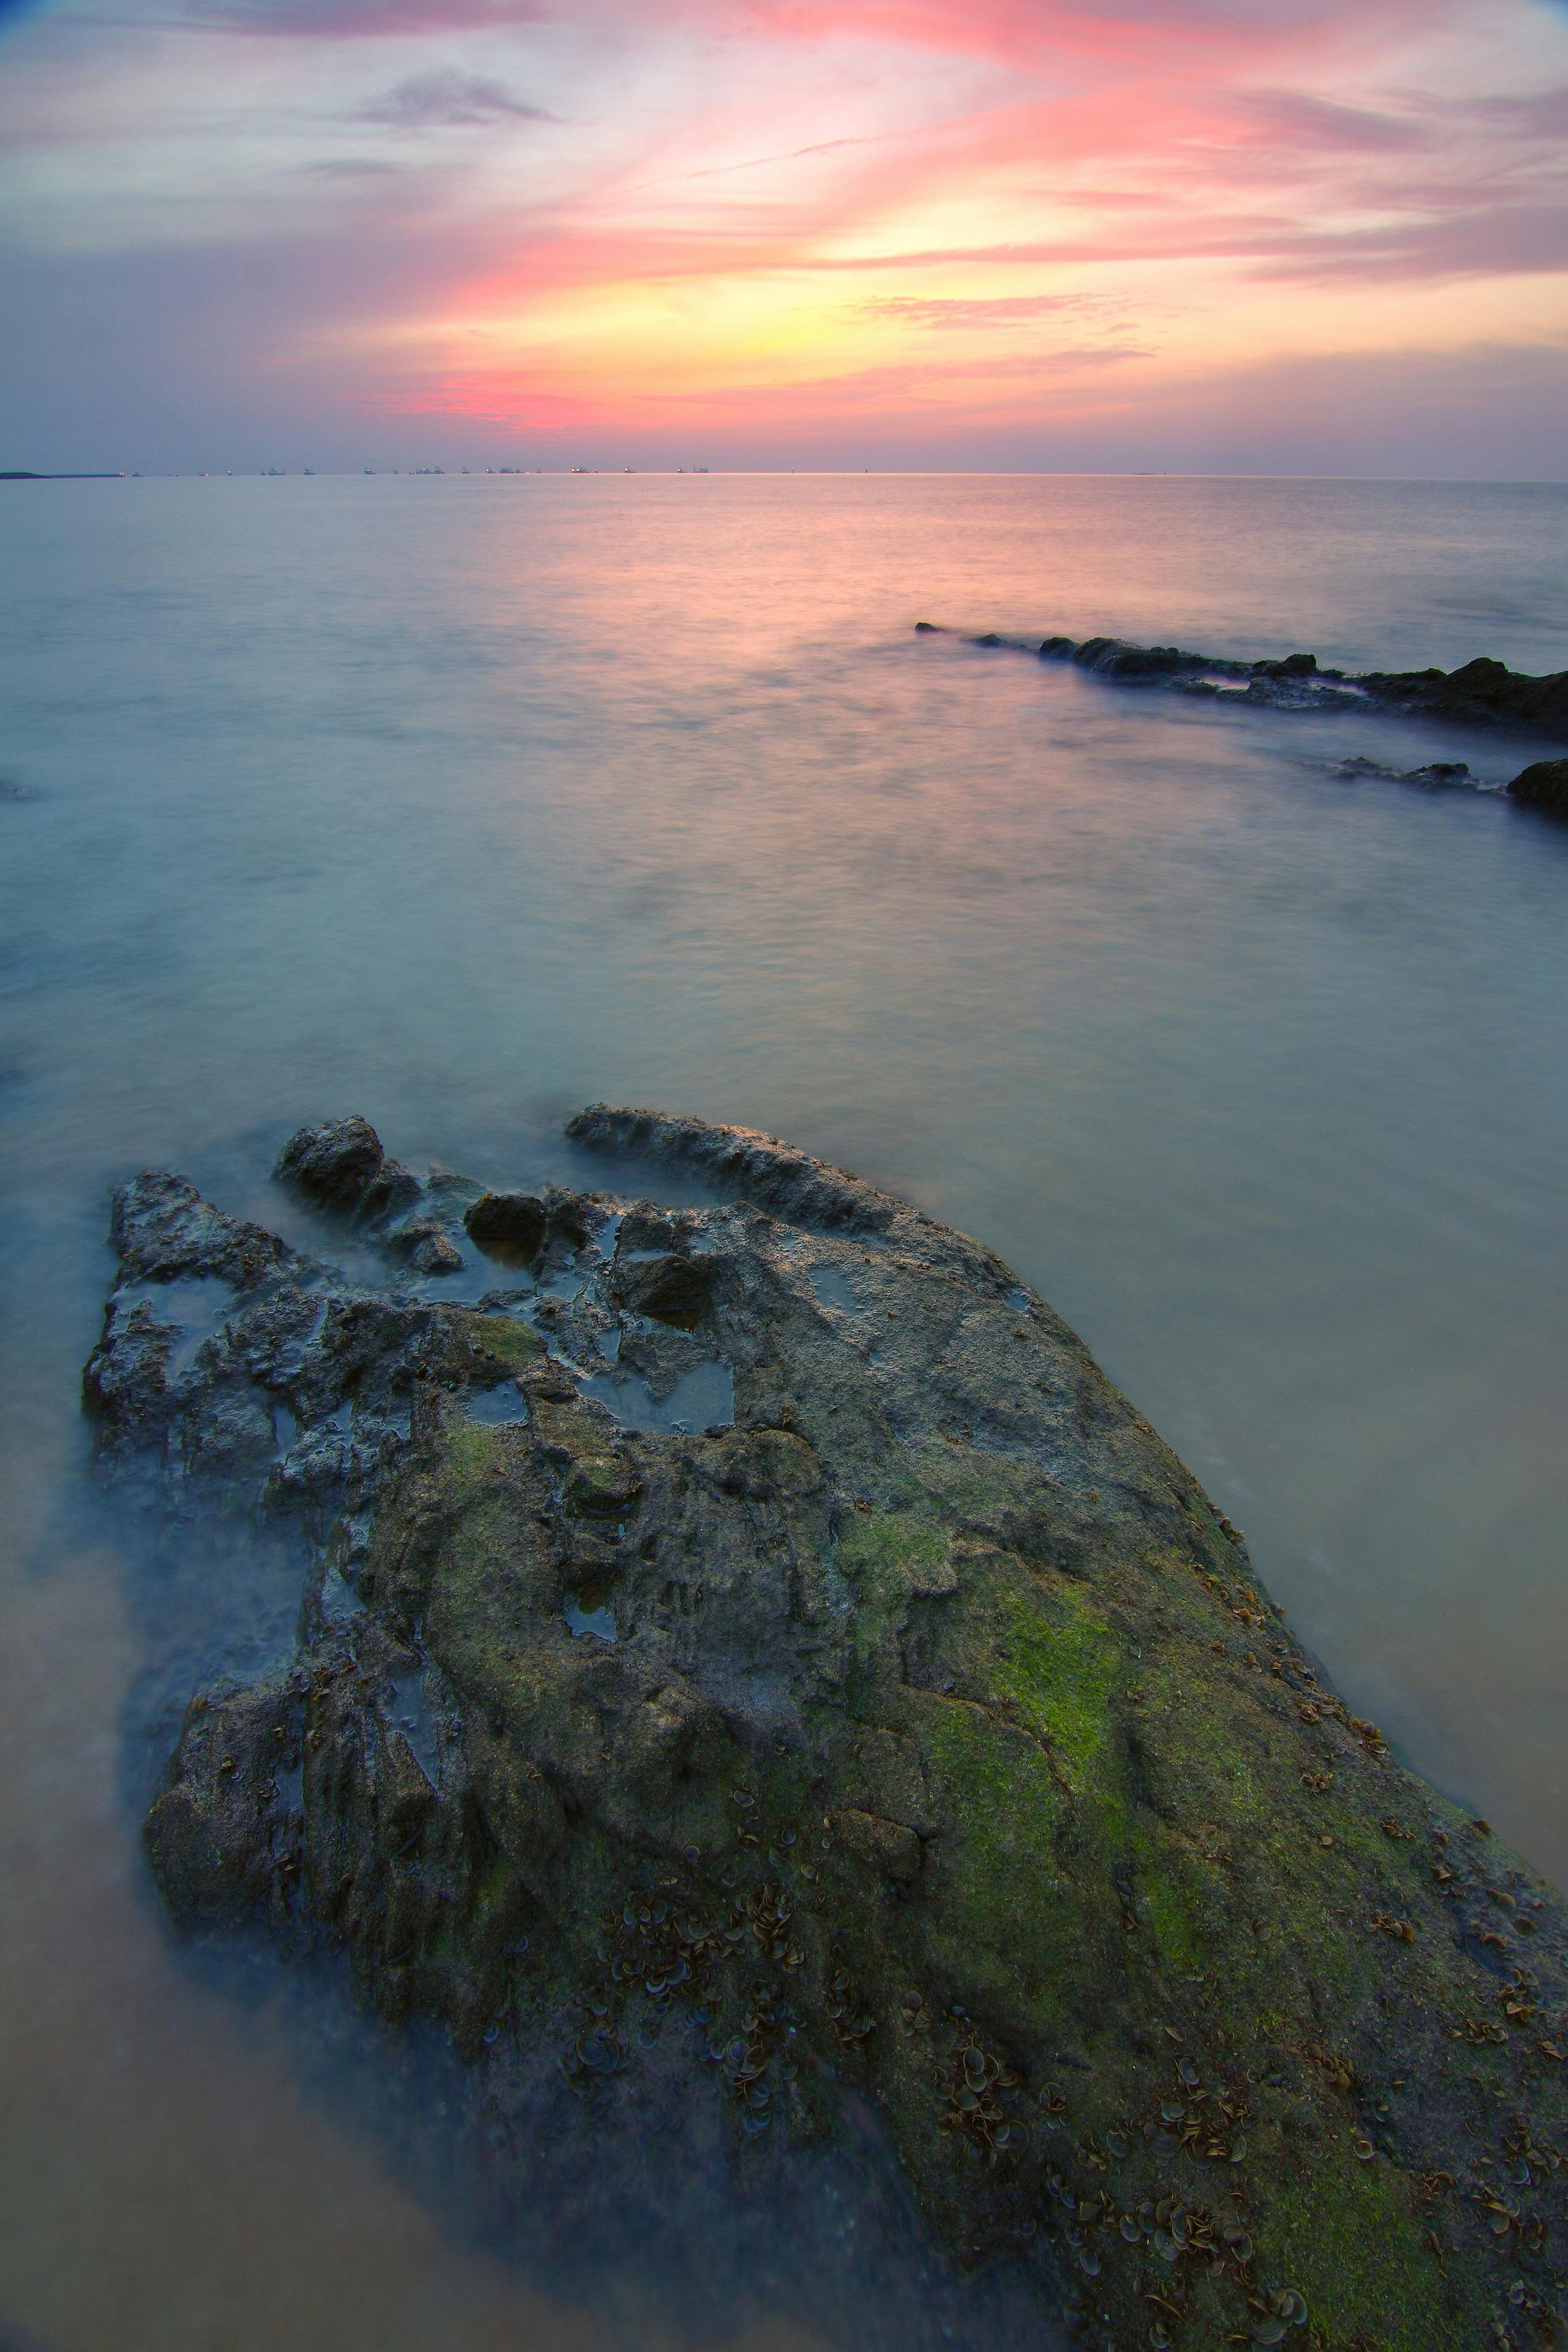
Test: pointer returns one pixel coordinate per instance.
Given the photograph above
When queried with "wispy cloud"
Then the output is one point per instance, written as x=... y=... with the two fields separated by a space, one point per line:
x=352 y=19
x=1295 y=119
x=1543 y=114
x=1491 y=241
x=444 y=100
x=956 y=310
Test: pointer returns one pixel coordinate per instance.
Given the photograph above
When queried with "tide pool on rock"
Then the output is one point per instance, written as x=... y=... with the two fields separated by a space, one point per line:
x=946 y=1754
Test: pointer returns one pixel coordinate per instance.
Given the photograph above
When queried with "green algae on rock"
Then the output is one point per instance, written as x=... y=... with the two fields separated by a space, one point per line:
x=918 y=1729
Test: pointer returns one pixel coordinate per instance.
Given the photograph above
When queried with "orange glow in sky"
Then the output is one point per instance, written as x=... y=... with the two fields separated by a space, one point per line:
x=1009 y=231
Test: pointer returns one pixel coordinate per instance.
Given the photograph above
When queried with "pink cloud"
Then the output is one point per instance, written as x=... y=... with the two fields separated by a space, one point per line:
x=1413 y=410
x=877 y=174
x=1008 y=31
x=489 y=399
x=1018 y=29
x=996 y=310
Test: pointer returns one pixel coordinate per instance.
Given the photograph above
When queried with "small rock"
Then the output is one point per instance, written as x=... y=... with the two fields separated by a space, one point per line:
x=507 y=1225
x=671 y=1289
x=341 y=1165
x=426 y=1248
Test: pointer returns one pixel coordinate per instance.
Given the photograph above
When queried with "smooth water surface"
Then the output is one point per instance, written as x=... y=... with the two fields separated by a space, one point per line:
x=465 y=801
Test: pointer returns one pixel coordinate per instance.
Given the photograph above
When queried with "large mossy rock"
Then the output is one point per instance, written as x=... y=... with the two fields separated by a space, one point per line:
x=920 y=1730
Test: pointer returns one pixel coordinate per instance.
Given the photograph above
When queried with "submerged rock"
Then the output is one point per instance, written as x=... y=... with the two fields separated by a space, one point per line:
x=509 y=1225
x=918 y=1736
x=1437 y=776
x=426 y=1246
x=517 y=1229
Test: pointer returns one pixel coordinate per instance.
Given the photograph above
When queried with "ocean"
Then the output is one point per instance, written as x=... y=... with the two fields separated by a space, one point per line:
x=463 y=802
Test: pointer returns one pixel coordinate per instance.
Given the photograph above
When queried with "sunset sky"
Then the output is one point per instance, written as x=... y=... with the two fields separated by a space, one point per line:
x=1296 y=235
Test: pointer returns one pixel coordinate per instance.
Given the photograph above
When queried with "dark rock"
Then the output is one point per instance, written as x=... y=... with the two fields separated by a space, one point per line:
x=789 y=1183
x=569 y=1219
x=219 y=1333
x=1482 y=693
x=1543 y=787
x=162 y=1231
x=1136 y=665
x=673 y=1291
x=391 y=1191
x=124 y=1383
x=1437 y=776
x=334 y=1163
x=426 y=1248
x=341 y=1165
x=509 y=1226
x=925 y=1736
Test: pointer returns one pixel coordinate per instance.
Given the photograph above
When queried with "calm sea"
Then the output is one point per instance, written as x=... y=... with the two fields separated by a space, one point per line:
x=464 y=802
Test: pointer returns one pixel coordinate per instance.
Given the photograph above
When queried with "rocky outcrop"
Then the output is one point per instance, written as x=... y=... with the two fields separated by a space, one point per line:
x=789 y=1183
x=248 y=1371
x=1481 y=693
x=901 y=1731
x=1543 y=786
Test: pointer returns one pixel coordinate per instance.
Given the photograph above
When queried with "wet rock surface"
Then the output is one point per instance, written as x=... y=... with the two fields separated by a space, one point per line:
x=1481 y=693
x=1543 y=785
x=900 y=1755
x=343 y=1166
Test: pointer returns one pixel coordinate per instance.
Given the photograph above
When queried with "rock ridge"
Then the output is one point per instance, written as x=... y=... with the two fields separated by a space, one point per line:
x=1481 y=693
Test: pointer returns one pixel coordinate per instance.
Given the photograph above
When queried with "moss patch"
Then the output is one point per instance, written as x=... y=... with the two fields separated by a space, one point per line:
x=507 y=1338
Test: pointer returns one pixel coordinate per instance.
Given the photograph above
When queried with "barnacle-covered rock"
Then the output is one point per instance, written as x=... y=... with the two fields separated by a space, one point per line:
x=913 y=1727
